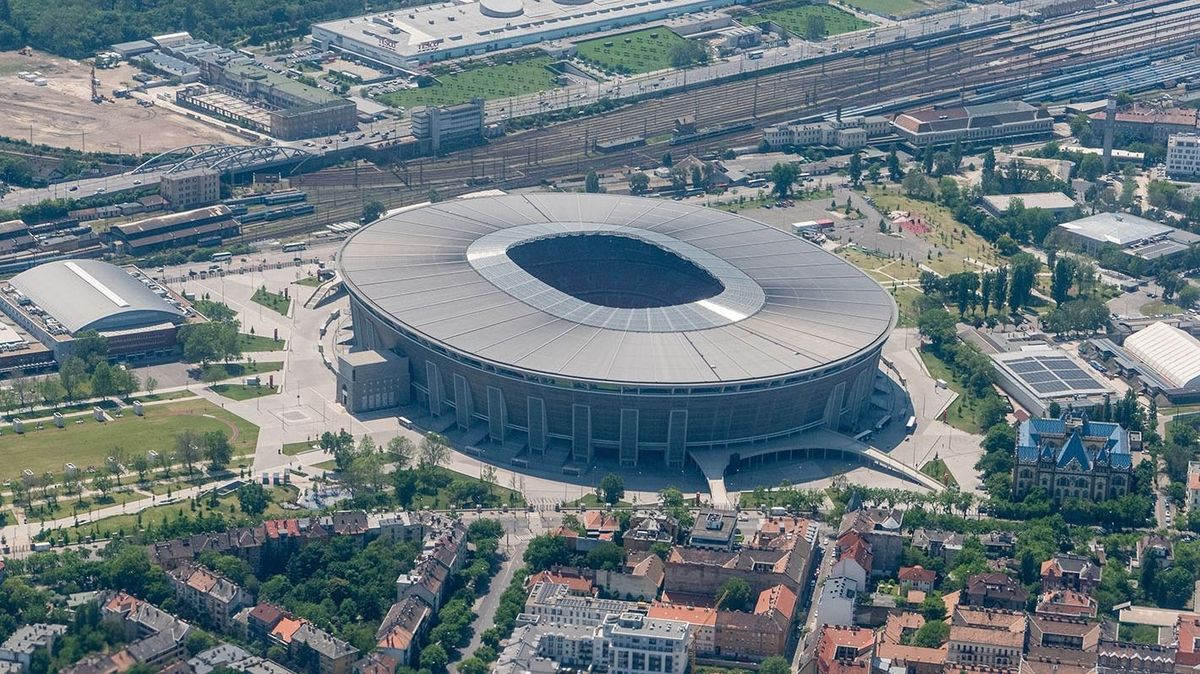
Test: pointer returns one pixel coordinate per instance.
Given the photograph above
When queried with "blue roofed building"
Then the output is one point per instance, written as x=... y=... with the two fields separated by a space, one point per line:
x=1073 y=457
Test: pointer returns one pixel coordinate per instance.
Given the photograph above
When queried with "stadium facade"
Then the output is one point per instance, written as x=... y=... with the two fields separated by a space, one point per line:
x=641 y=329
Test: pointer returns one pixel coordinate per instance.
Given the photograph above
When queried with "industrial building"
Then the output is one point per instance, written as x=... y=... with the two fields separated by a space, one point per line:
x=202 y=227
x=572 y=325
x=1134 y=236
x=190 y=188
x=987 y=122
x=448 y=125
x=1055 y=203
x=1163 y=359
x=407 y=37
x=57 y=301
x=1036 y=378
x=1183 y=155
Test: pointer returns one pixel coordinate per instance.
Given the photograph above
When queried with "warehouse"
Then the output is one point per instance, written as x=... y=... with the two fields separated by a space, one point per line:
x=202 y=226
x=1137 y=237
x=1163 y=359
x=1056 y=203
x=57 y=301
x=406 y=38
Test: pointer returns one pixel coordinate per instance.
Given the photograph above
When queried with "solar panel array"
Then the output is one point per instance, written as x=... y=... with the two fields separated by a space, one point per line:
x=1052 y=375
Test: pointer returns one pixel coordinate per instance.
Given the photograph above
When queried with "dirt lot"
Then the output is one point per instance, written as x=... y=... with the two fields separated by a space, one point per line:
x=62 y=114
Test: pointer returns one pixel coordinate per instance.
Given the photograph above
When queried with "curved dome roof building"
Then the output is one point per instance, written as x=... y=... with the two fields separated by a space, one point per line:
x=634 y=327
x=93 y=295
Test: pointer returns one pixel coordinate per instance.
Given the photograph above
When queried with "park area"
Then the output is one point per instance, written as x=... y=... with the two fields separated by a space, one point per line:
x=492 y=78
x=954 y=246
x=802 y=19
x=86 y=442
x=640 y=51
x=897 y=275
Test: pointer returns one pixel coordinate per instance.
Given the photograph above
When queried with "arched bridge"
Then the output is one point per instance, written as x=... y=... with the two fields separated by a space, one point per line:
x=223 y=158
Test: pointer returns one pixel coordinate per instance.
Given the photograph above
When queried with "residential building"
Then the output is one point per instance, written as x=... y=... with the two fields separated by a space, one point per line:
x=1066 y=604
x=208 y=594
x=986 y=637
x=1151 y=124
x=835 y=605
x=714 y=530
x=881 y=527
x=1193 y=485
x=1042 y=660
x=999 y=543
x=916 y=578
x=943 y=545
x=1183 y=155
x=994 y=590
x=577 y=585
x=600 y=524
x=321 y=652
x=1157 y=548
x=448 y=125
x=1072 y=457
x=20 y=646
x=400 y=633
x=191 y=188
x=987 y=122
x=745 y=636
x=900 y=627
x=1129 y=658
x=646 y=529
x=702 y=619
x=552 y=604
x=1071 y=633
x=844 y=650
x=695 y=571
x=854 y=558
x=1187 y=641
x=640 y=579
x=897 y=659
x=1071 y=572
x=640 y=645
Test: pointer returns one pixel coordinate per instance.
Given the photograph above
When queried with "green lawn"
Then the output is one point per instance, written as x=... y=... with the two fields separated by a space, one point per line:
x=493 y=78
x=1158 y=307
x=938 y=470
x=326 y=465
x=794 y=17
x=890 y=7
x=961 y=413
x=590 y=500
x=169 y=395
x=640 y=51
x=219 y=371
x=241 y=391
x=88 y=443
x=443 y=500
x=294 y=448
x=273 y=301
x=257 y=343
x=310 y=281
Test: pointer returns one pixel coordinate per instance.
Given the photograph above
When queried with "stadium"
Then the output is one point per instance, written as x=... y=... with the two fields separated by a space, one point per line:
x=576 y=326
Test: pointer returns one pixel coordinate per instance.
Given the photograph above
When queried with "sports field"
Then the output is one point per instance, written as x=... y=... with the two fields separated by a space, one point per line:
x=794 y=17
x=88 y=443
x=891 y=7
x=489 y=80
x=640 y=51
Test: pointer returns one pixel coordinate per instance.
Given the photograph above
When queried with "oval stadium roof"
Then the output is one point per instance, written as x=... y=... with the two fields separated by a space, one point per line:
x=789 y=306
x=94 y=295
x=1171 y=352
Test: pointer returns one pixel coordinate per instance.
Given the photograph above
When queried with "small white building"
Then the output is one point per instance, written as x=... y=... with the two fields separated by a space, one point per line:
x=1183 y=155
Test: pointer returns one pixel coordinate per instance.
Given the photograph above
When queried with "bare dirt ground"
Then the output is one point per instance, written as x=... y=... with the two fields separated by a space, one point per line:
x=62 y=114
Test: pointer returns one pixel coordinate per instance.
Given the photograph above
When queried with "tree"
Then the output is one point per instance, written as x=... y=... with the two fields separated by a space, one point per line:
x=679 y=178
x=606 y=556
x=1174 y=587
x=776 y=664
x=855 y=169
x=611 y=489
x=917 y=186
x=814 y=27
x=188 y=444
x=1024 y=276
x=400 y=451
x=434 y=658
x=687 y=53
x=988 y=177
x=546 y=551
x=473 y=665
x=931 y=635
x=72 y=374
x=934 y=607
x=734 y=595
x=639 y=183
x=253 y=499
x=102 y=483
x=895 y=174
x=667 y=161
x=937 y=326
x=372 y=209
x=783 y=176
x=217 y=450
x=1061 y=279
x=873 y=173
x=433 y=452
x=697 y=177
x=591 y=183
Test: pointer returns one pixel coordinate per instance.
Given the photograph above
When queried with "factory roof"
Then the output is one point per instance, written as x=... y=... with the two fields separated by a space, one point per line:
x=94 y=295
x=1051 y=201
x=740 y=301
x=1120 y=229
x=1170 y=352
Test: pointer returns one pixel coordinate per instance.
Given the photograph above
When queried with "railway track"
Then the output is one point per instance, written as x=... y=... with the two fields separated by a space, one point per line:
x=948 y=69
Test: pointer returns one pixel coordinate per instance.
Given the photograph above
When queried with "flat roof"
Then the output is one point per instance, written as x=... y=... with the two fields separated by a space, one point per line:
x=1049 y=373
x=419 y=30
x=1121 y=229
x=803 y=308
x=1046 y=200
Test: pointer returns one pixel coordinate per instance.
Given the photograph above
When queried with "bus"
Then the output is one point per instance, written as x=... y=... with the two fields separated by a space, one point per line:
x=222 y=256
x=755 y=55
x=910 y=425
x=295 y=246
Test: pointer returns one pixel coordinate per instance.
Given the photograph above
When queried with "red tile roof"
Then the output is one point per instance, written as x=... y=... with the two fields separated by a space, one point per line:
x=575 y=584
x=917 y=574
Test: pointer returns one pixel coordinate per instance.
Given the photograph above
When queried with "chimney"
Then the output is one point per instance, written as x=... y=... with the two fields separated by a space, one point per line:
x=1110 y=122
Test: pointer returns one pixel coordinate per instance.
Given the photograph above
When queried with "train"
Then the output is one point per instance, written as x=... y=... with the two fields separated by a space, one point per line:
x=711 y=132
